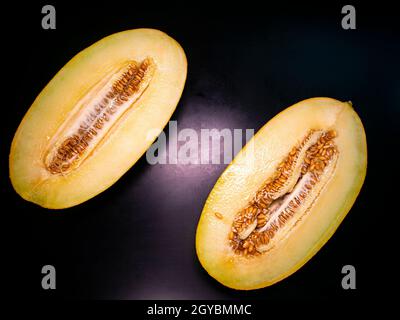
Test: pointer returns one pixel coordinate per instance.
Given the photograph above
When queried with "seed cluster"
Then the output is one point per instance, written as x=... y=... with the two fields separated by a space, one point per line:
x=281 y=182
x=277 y=201
x=70 y=151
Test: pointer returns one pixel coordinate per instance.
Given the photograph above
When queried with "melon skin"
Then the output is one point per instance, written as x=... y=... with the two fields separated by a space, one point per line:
x=251 y=168
x=125 y=143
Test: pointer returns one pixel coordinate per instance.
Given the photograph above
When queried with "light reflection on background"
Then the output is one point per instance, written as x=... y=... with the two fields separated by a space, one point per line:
x=168 y=226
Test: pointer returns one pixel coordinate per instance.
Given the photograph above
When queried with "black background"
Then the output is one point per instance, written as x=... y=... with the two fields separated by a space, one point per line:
x=136 y=240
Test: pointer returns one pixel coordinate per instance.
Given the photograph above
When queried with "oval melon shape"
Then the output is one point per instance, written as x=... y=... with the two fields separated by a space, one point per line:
x=284 y=194
x=97 y=117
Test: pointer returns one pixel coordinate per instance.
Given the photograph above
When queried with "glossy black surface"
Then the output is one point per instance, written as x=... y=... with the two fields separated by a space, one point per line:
x=136 y=240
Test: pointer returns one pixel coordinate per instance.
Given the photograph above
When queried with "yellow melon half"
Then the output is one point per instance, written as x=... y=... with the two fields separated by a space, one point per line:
x=254 y=165
x=75 y=88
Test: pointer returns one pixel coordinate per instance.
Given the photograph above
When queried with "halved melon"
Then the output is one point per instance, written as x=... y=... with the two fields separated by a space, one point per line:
x=97 y=117
x=284 y=194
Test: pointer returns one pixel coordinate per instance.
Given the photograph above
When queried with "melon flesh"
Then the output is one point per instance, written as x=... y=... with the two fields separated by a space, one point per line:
x=253 y=166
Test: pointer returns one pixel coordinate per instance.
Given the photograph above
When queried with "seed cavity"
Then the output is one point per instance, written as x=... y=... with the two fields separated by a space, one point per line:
x=96 y=113
x=283 y=200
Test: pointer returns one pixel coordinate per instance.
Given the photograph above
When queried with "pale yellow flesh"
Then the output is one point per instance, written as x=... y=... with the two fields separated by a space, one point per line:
x=245 y=176
x=127 y=141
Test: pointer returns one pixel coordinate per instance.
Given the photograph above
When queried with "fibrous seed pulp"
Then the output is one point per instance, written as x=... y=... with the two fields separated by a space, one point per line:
x=96 y=113
x=283 y=200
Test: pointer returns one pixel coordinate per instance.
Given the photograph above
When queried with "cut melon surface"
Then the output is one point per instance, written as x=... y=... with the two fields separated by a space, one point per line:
x=313 y=222
x=143 y=71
